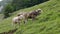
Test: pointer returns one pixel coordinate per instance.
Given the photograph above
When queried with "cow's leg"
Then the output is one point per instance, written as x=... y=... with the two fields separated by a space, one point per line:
x=33 y=17
x=13 y=24
x=25 y=21
x=19 y=23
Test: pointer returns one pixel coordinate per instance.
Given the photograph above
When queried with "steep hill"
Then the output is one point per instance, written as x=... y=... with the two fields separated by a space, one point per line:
x=48 y=21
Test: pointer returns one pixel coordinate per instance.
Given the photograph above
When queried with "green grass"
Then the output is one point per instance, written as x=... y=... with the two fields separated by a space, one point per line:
x=48 y=21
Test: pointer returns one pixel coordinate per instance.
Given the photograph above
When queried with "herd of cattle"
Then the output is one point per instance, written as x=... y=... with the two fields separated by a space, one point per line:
x=25 y=16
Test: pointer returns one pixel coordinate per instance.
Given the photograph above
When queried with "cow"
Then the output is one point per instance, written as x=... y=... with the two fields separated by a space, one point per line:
x=34 y=14
x=17 y=20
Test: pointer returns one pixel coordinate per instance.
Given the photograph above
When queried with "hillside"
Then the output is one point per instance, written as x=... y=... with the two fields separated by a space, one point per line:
x=48 y=21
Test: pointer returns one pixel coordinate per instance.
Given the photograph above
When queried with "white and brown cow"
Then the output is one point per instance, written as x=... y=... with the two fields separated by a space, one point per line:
x=17 y=20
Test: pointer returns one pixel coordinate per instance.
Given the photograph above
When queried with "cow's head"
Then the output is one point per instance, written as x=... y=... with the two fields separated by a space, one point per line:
x=39 y=11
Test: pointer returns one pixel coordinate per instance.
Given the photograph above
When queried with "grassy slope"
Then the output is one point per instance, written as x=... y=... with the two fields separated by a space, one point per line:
x=48 y=22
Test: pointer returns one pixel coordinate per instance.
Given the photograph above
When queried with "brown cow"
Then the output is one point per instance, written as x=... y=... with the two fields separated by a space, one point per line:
x=33 y=14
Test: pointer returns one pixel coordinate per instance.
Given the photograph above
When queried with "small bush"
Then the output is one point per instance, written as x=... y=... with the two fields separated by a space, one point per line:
x=8 y=9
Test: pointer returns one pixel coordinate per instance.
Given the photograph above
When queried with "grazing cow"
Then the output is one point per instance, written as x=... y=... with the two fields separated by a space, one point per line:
x=17 y=19
x=30 y=15
x=33 y=14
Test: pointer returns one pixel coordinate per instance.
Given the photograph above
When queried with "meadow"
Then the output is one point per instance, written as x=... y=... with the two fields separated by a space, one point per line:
x=48 y=21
